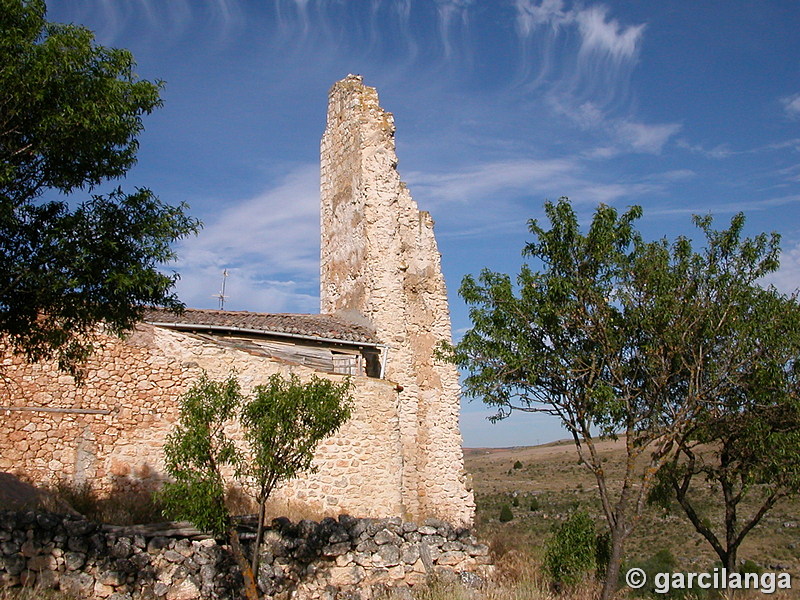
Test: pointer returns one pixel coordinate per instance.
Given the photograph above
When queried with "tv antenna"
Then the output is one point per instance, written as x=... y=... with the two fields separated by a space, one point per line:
x=221 y=296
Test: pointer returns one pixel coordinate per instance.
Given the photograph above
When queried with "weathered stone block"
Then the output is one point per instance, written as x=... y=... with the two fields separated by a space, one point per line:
x=187 y=589
x=173 y=556
x=450 y=558
x=336 y=549
x=409 y=553
x=42 y=562
x=76 y=584
x=384 y=536
x=386 y=556
x=123 y=548
x=343 y=576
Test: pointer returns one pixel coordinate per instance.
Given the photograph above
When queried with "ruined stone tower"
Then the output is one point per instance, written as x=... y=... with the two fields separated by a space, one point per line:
x=380 y=266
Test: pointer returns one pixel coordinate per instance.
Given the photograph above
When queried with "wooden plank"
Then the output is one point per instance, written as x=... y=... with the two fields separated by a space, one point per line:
x=77 y=411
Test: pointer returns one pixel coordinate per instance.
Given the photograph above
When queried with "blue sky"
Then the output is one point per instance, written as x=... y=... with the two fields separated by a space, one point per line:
x=682 y=107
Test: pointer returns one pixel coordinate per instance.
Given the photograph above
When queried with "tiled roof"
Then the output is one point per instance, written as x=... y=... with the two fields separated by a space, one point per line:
x=312 y=326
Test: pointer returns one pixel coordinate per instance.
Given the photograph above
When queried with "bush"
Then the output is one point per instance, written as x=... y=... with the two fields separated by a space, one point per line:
x=120 y=506
x=517 y=465
x=534 y=504
x=505 y=513
x=750 y=566
x=571 y=552
x=663 y=562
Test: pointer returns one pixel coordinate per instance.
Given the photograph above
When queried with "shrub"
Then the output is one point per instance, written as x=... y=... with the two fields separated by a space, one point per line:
x=515 y=501
x=534 y=503
x=120 y=506
x=750 y=566
x=505 y=513
x=571 y=552
x=517 y=465
x=664 y=562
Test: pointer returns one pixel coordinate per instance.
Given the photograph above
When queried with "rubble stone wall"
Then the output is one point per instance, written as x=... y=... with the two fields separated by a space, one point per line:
x=134 y=391
x=358 y=559
x=380 y=264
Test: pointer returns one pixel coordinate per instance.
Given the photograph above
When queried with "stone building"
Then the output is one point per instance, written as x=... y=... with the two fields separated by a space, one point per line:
x=383 y=311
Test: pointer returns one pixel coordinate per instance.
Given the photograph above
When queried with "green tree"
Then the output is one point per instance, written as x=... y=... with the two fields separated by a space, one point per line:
x=506 y=514
x=282 y=422
x=746 y=445
x=197 y=450
x=570 y=553
x=70 y=114
x=612 y=336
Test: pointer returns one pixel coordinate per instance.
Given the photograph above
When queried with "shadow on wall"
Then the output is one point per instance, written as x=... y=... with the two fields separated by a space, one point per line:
x=129 y=500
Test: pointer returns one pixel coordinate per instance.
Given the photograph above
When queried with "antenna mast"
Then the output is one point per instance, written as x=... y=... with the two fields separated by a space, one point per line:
x=221 y=296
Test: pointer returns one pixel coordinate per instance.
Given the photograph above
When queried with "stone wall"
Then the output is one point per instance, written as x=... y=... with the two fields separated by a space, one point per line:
x=380 y=264
x=334 y=558
x=132 y=401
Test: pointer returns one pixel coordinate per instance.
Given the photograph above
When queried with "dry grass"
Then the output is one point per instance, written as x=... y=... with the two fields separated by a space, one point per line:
x=117 y=508
x=551 y=477
x=33 y=593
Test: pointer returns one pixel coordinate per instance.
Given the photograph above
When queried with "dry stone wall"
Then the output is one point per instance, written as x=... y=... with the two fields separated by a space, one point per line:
x=380 y=264
x=351 y=558
x=132 y=399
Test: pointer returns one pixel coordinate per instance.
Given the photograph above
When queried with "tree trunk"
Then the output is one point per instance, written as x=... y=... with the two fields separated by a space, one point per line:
x=259 y=535
x=729 y=560
x=250 y=589
x=614 y=563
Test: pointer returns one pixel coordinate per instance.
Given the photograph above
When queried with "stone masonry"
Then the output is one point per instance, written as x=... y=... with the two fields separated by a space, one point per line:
x=380 y=264
x=112 y=429
x=399 y=455
x=344 y=558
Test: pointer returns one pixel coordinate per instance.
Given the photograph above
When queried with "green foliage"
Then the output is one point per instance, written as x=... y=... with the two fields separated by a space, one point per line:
x=505 y=514
x=69 y=120
x=749 y=566
x=571 y=552
x=602 y=552
x=661 y=562
x=517 y=465
x=283 y=423
x=534 y=504
x=752 y=418
x=196 y=452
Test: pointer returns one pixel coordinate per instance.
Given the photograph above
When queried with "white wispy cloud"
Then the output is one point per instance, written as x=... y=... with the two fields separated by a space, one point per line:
x=787 y=278
x=729 y=208
x=791 y=173
x=531 y=15
x=478 y=181
x=645 y=137
x=163 y=21
x=494 y=194
x=724 y=150
x=605 y=36
x=597 y=68
x=623 y=134
x=452 y=14
x=718 y=151
x=791 y=104
x=269 y=244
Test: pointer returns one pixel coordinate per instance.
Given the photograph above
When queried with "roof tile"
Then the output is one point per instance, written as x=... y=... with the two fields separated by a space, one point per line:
x=315 y=326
